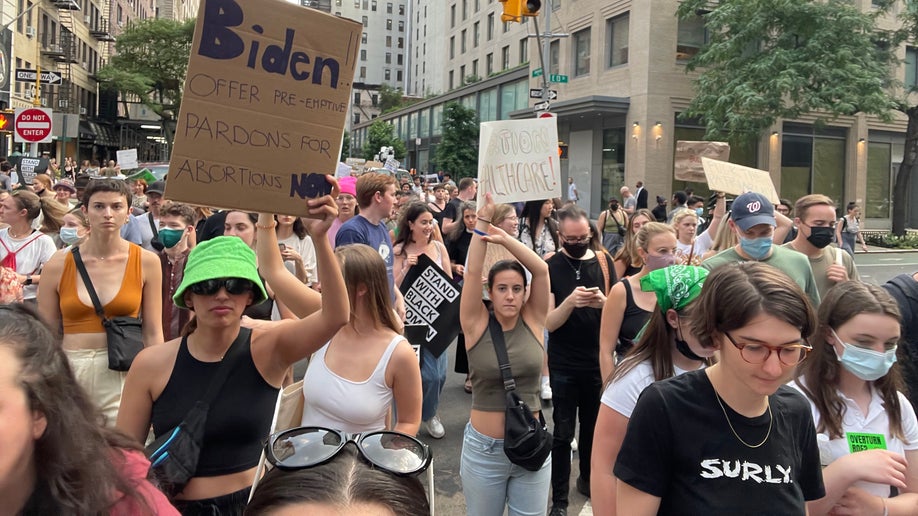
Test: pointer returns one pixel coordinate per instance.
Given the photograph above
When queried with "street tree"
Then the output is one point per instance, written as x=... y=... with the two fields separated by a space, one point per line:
x=390 y=98
x=345 y=147
x=907 y=33
x=457 y=152
x=781 y=59
x=382 y=134
x=150 y=63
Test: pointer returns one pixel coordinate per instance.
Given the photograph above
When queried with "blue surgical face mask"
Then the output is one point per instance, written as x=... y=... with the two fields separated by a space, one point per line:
x=699 y=211
x=866 y=364
x=69 y=236
x=756 y=248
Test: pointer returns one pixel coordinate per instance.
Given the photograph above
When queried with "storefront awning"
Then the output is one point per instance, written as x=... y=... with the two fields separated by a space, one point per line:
x=87 y=134
x=589 y=105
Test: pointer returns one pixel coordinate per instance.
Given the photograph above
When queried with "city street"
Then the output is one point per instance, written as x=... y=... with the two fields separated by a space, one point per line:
x=876 y=266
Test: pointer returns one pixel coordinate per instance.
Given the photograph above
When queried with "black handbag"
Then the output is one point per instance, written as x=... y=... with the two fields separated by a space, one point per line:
x=124 y=334
x=527 y=441
x=174 y=454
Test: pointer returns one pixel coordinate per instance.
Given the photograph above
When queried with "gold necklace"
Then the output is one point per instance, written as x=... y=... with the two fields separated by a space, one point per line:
x=771 y=420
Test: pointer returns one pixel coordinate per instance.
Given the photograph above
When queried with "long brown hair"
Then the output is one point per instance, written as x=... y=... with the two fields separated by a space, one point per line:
x=628 y=252
x=820 y=371
x=76 y=456
x=362 y=265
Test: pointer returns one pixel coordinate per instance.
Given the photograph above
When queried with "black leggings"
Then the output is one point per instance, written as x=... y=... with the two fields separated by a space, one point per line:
x=232 y=504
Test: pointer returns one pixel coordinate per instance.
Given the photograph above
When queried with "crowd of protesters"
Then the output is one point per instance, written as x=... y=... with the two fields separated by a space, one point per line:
x=720 y=357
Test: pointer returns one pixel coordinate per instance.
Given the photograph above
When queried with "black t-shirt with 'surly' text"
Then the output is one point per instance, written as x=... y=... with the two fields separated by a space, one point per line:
x=679 y=447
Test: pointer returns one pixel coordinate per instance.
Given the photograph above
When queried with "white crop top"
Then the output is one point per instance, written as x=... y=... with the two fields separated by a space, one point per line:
x=342 y=404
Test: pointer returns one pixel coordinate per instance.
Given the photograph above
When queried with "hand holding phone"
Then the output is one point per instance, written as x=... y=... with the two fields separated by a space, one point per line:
x=592 y=290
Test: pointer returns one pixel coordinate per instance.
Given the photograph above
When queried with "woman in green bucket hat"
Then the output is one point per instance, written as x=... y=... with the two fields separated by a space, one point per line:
x=166 y=380
x=666 y=347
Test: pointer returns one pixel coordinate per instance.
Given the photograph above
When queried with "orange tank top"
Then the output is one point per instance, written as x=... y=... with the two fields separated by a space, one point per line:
x=77 y=317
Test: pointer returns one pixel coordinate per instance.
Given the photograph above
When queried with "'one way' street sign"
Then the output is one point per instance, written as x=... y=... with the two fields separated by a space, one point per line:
x=536 y=93
x=26 y=75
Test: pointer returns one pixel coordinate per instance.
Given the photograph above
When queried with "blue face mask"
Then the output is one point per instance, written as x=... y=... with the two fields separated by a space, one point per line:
x=699 y=211
x=866 y=364
x=756 y=248
x=69 y=236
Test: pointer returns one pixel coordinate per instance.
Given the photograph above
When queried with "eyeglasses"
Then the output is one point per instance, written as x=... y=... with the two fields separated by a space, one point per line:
x=581 y=240
x=234 y=286
x=311 y=446
x=788 y=354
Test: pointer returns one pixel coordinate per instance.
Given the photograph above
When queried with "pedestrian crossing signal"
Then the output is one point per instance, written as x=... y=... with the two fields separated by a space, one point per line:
x=6 y=121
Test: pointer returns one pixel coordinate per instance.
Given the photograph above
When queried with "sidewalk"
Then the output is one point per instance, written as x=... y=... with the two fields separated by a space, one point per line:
x=876 y=249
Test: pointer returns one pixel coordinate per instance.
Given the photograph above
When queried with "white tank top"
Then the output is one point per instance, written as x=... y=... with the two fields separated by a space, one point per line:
x=335 y=402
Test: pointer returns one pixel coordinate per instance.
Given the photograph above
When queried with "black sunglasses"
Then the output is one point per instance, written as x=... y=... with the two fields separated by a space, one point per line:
x=234 y=286
x=310 y=446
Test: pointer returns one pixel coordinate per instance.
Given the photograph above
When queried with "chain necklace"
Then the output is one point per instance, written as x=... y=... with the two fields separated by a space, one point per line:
x=577 y=269
x=771 y=420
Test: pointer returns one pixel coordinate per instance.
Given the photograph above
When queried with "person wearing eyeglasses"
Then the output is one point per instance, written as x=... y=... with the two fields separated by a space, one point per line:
x=323 y=471
x=490 y=482
x=167 y=380
x=667 y=347
x=731 y=438
x=868 y=432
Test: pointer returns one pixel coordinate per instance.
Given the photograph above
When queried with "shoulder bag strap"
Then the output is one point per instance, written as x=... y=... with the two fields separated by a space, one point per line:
x=152 y=225
x=500 y=348
x=87 y=282
x=604 y=267
x=226 y=365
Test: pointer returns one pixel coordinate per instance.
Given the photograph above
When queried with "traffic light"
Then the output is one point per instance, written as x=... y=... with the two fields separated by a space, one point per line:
x=562 y=150
x=514 y=10
x=6 y=120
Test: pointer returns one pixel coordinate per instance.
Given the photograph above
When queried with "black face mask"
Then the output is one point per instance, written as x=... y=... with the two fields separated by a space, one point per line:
x=576 y=249
x=613 y=206
x=683 y=348
x=820 y=236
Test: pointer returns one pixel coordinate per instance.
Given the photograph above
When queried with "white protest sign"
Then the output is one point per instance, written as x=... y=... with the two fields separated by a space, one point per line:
x=687 y=162
x=127 y=158
x=737 y=179
x=518 y=160
x=343 y=170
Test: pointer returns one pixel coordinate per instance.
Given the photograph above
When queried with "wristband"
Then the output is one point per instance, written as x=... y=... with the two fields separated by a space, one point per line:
x=479 y=232
x=272 y=226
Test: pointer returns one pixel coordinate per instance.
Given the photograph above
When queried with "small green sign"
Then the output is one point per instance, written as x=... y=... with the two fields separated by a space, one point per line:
x=537 y=72
x=860 y=442
x=557 y=78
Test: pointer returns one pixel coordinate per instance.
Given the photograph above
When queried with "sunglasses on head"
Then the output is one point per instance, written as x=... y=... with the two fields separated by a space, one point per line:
x=234 y=286
x=310 y=446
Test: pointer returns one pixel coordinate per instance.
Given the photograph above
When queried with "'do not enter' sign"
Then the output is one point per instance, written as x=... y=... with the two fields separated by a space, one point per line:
x=33 y=125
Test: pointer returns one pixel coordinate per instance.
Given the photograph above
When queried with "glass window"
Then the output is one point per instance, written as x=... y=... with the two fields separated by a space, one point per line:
x=476 y=34
x=879 y=176
x=812 y=164
x=373 y=5
x=524 y=50
x=911 y=67
x=451 y=80
x=412 y=126
x=692 y=36
x=363 y=55
x=401 y=26
x=388 y=41
x=389 y=8
x=617 y=29
x=554 y=54
x=388 y=23
x=468 y=101
x=387 y=74
x=465 y=9
x=581 y=41
x=365 y=21
x=490 y=26
x=505 y=58
x=363 y=38
x=401 y=9
x=487 y=105
x=388 y=57
x=475 y=67
x=489 y=64
x=424 y=123
x=436 y=120
x=452 y=16
x=614 y=145
x=452 y=47
x=462 y=41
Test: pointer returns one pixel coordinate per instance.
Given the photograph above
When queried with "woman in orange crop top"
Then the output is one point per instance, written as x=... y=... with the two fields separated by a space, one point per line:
x=127 y=279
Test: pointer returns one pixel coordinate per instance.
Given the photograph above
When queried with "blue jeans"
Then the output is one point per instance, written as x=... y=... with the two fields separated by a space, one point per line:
x=433 y=377
x=490 y=482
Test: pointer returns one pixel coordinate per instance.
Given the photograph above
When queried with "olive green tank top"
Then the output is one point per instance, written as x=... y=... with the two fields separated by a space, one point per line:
x=525 y=353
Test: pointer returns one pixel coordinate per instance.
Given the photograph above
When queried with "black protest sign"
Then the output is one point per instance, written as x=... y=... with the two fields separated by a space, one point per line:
x=27 y=167
x=431 y=302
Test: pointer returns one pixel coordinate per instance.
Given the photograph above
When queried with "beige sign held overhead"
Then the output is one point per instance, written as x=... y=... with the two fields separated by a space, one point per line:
x=737 y=179
x=687 y=164
x=264 y=105
x=518 y=160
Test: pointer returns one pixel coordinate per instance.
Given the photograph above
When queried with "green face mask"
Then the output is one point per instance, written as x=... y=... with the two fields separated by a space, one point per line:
x=170 y=237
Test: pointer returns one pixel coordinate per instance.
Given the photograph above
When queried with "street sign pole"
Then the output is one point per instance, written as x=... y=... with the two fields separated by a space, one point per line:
x=544 y=48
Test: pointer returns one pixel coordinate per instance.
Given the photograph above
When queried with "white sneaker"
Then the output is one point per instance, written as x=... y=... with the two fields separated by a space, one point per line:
x=573 y=444
x=546 y=391
x=435 y=428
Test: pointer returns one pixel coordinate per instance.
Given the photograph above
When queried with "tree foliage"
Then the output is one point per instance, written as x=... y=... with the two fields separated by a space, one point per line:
x=457 y=152
x=345 y=147
x=150 y=63
x=390 y=98
x=771 y=59
x=382 y=134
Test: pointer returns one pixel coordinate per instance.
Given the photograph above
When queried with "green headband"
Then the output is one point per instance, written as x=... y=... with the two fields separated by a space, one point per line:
x=676 y=286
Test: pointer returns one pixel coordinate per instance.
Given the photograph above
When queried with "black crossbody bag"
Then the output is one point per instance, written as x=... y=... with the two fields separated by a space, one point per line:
x=527 y=441
x=124 y=334
x=174 y=454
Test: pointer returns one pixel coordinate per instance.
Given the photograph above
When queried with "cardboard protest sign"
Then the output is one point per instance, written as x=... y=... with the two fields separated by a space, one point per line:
x=687 y=163
x=431 y=302
x=127 y=158
x=265 y=103
x=518 y=160
x=737 y=179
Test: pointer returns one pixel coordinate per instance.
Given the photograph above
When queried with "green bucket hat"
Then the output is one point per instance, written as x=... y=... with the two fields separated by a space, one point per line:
x=675 y=286
x=220 y=257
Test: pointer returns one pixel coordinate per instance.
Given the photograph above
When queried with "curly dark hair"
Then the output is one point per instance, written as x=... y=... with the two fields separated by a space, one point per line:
x=70 y=455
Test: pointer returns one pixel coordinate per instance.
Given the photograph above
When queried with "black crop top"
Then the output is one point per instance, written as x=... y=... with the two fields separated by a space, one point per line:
x=238 y=421
x=633 y=320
